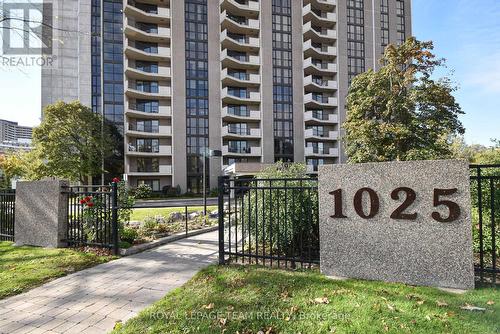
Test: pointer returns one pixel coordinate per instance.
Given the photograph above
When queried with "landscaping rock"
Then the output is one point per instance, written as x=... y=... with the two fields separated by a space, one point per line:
x=135 y=224
x=214 y=214
x=193 y=215
x=176 y=216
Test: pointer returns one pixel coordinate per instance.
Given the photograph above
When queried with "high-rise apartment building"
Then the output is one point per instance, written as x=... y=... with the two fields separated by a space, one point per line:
x=13 y=132
x=260 y=81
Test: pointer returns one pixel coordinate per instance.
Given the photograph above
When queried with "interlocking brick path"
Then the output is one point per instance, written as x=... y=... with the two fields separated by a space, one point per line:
x=93 y=300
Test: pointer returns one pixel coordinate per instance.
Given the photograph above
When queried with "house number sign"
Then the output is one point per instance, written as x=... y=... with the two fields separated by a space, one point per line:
x=397 y=221
x=402 y=212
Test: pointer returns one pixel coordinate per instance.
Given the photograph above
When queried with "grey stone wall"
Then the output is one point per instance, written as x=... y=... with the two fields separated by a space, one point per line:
x=419 y=251
x=41 y=211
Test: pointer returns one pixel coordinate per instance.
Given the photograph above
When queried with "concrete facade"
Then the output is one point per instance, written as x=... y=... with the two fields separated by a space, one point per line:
x=41 y=210
x=419 y=246
x=244 y=119
x=69 y=78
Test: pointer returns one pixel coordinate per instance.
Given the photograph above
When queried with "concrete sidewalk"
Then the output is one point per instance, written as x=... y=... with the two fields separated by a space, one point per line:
x=93 y=300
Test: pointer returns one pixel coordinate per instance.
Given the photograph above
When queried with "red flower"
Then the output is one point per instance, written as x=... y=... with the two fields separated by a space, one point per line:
x=88 y=198
x=116 y=180
x=90 y=204
x=83 y=201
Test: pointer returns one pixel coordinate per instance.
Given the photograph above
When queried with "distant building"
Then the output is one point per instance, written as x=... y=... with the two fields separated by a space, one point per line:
x=13 y=132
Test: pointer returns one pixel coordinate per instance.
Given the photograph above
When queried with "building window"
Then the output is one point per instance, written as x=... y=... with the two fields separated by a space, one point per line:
x=147 y=145
x=400 y=21
x=282 y=80
x=148 y=165
x=196 y=25
x=384 y=23
x=153 y=184
x=355 y=38
x=107 y=79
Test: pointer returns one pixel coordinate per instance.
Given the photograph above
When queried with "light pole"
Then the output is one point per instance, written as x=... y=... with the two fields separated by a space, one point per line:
x=207 y=153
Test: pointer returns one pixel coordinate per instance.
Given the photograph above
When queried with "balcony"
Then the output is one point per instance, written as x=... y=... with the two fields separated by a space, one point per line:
x=321 y=135
x=319 y=17
x=249 y=8
x=228 y=131
x=319 y=68
x=325 y=152
x=312 y=100
x=161 y=53
x=312 y=169
x=245 y=98
x=251 y=115
x=163 y=150
x=163 y=92
x=319 y=34
x=161 y=15
x=255 y=151
x=315 y=117
x=138 y=74
x=243 y=62
x=162 y=131
x=239 y=42
x=150 y=113
x=325 y=52
x=325 y=5
x=163 y=170
x=234 y=24
x=229 y=78
x=162 y=34
x=313 y=84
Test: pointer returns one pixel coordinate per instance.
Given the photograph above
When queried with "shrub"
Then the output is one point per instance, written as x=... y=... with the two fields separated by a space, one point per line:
x=143 y=191
x=128 y=235
x=282 y=219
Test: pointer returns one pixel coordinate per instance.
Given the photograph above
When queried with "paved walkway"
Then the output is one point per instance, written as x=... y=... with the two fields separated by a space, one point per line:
x=93 y=300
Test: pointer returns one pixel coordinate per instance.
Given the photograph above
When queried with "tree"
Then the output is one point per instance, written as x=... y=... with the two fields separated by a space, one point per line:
x=400 y=112
x=27 y=165
x=72 y=141
x=460 y=149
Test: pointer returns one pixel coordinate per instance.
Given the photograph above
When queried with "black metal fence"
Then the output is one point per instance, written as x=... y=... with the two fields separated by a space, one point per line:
x=7 y=214
x=269 y=221
x=485 y=195
x=92 y=216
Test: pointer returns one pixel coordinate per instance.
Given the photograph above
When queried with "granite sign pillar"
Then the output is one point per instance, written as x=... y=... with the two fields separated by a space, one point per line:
x=403 y=222
x=41 y=210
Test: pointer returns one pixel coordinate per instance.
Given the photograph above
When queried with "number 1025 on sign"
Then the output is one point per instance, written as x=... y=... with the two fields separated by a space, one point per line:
x=402 y=212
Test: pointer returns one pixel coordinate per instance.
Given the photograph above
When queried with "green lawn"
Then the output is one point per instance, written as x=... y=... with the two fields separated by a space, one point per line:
x=22 y=268
x=236 y=299
x=141 y=213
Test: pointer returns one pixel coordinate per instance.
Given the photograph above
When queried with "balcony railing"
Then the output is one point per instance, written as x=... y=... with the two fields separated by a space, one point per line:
x=144 y=108
x=240 y=150
x=147 y=129
x=145 y=89
x=238 y=131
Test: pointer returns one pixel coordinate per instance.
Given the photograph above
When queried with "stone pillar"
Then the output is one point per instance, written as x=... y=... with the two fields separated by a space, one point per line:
x=41 y=212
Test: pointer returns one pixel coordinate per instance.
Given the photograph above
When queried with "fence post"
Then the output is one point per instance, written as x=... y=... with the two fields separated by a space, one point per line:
x=187 y=219
x=114 y=216
x=221 y=219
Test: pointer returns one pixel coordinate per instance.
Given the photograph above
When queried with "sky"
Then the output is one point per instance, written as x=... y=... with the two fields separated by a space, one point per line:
x=465 y=32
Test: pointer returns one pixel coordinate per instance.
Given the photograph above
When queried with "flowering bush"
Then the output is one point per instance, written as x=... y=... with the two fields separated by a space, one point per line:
x=92 y=212
x=97 y=214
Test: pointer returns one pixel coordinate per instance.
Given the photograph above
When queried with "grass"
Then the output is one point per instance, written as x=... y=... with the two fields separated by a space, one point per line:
x=237 y=299
x=22 y=268
x=141 y=213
